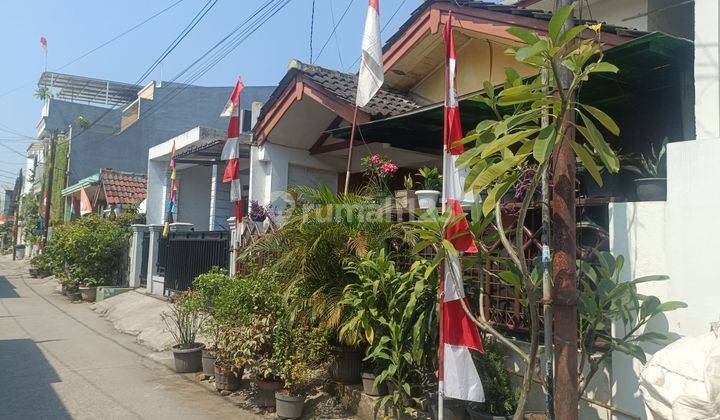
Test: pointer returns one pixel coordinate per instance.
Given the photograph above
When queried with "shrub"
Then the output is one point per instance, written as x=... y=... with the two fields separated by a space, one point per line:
x=90 y=250
x=501 y=397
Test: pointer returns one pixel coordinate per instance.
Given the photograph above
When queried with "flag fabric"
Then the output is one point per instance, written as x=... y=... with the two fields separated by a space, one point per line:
x=458 y=333
x=372 y=74
x=43 y=43
x=85 y=206
x=172 y=194
x=231 y=150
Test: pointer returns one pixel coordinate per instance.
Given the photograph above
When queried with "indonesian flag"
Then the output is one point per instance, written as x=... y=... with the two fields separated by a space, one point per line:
x=458 y=334
x=43 y=43
x=85 y=206
x=231 y=150
x=371 y=75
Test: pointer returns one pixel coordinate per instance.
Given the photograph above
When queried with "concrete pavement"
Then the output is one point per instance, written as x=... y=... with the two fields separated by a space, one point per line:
x=59 y=360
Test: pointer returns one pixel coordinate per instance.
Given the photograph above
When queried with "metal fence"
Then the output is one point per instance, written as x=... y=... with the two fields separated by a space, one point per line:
x=185 y=255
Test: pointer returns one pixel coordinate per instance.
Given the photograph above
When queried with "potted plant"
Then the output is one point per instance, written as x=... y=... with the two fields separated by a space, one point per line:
x=261 y=360
x=229 y=358
x=88 y=289
x=652 y=168
x=290 y=401
x=183 y=321
x=432 y=184
x=405 y=199
x=379 y=171
x=500 y=395
x=371 y=386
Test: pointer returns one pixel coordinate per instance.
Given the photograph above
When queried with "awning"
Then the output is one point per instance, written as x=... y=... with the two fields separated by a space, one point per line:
x=209 y=153
x=90 y=180
x=650 y=62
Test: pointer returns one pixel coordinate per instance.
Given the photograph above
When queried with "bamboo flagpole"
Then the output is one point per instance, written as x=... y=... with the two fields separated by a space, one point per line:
x=350 y=150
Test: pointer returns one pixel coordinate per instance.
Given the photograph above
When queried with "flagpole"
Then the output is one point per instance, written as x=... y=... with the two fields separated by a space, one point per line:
x=350 y=151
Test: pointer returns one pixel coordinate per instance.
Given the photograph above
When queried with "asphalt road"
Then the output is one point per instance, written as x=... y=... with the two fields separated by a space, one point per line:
x=59 y=360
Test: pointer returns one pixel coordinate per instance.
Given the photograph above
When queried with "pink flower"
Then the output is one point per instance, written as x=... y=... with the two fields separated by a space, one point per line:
x=375 y=159
x=388 y=168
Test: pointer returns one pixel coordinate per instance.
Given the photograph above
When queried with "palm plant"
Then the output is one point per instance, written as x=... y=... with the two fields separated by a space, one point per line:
x=310 y=249
x=43 y=93
x=650 y=166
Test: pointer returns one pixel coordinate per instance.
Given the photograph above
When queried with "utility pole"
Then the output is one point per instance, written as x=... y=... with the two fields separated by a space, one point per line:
x=564 y=300
x=48 y=189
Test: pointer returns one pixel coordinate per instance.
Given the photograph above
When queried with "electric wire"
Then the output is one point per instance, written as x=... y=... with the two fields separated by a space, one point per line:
x=333 y=31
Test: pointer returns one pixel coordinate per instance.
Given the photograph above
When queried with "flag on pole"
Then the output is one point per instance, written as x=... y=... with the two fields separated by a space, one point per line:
x=172 y=195
x=43 y=44
x=85 y=206
x=231 y=150
x=372 y=74
x=458 y=333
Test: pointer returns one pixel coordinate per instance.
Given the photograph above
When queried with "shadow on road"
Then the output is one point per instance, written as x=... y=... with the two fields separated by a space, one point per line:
x=25 y=390
x=7 y=290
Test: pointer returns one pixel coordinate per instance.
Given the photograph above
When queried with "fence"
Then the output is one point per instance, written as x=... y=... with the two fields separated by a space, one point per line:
x=182 y=256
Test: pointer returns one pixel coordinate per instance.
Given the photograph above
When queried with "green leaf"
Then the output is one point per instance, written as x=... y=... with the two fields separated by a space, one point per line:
x=654 y=337
x=494 y=171
x=510 y=278
x=596 y=139
x=497 y=192
x=671 y=306
x=489 y=90
x=570 y=34
x=601 y=67
x=558 y=20
x=507 y=141
x=544 y=144
x=588 y=162
x=524 y=35
x=530 y=51
x=604 y=119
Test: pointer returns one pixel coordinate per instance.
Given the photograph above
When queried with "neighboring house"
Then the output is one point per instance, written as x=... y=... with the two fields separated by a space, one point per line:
x=119 y=122
x=105 y=192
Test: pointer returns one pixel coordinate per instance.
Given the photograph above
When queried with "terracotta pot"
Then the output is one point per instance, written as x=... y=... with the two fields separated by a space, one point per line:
x=89 y=294
x=266 y=391
x=227 y=378
x=346 y=365
x=188 y=360
x=369 y=388
x=288 y=406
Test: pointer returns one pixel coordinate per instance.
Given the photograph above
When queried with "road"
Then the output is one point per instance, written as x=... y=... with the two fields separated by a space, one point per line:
x=59 y=360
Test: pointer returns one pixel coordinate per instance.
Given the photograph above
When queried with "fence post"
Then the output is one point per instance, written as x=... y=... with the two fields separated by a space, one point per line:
x=136 y=256
x=233 y=245
x=155 y=232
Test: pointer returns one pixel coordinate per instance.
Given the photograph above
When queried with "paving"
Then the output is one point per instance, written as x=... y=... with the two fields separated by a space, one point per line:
x=59 y=360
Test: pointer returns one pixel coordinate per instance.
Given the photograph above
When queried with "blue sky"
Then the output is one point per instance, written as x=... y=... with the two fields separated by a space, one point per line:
x=75 y=27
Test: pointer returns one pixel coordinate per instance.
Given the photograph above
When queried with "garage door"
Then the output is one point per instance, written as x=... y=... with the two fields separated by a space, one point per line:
x=310 y=177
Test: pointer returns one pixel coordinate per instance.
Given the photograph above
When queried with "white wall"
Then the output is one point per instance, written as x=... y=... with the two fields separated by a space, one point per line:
x=156 y=192
x=707 y=75
x=193 y=205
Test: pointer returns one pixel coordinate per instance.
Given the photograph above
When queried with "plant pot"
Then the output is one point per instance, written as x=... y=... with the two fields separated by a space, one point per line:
x=208 y=362
x=74 y=295
x=346 y=364
x=427 y=198
x=476 y=413
x=452 y=408
x=63 y=290
x=406 y=200
x=266 y=389
x=89 y=294
x=288 y=406
x=227 y=378
x=369 y=388
x=188 y=360
x=20 y=252
x=651 y=189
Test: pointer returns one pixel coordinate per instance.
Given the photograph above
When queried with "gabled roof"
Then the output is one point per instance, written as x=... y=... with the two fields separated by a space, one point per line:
x=121 y=187
x=334 y=89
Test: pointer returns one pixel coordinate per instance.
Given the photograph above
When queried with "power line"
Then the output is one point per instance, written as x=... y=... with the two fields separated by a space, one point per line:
x=333 y=32
x=4 y=146
x=111 y=40
x=312 y=26
x=337 y=43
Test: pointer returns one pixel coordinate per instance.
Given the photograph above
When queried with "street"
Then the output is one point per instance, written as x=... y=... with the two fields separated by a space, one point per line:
x=60 y=360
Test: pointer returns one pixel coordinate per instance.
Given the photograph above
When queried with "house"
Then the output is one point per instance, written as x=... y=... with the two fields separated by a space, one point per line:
x=107 y=192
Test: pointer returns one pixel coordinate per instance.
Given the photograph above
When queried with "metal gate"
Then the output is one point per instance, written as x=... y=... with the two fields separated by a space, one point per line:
x=189 y=254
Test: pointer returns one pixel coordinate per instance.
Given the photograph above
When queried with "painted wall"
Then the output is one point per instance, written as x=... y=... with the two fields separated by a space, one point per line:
x=194 y=196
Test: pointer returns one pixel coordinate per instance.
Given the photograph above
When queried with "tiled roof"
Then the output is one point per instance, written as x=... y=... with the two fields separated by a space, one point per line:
x=510 y=10
x=123 y=187
x=386 y=103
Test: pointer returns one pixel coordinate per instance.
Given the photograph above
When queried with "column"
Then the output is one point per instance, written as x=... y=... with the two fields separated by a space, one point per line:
x=155 y=232
x=234 y=238
x=213 y=197
x=136 y=256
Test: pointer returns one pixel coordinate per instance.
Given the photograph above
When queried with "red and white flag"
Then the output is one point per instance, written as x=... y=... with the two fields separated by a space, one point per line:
x=458 y=334
x=43 y=43
x=372 y=74
x=231 y=150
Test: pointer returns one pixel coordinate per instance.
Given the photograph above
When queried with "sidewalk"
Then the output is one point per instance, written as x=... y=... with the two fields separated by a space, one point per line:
x=60 y=360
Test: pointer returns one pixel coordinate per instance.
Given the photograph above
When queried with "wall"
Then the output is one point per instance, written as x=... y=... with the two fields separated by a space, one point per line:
x=269 y=166
x=707 y=78
x=194 y=196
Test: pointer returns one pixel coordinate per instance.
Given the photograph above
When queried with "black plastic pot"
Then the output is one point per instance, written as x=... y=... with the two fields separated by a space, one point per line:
x=346 y=365
x=453 y=409
x=208 y=362
x=288 y=406
x=651 y=189
x=369 y=388
x=477 y=414
x=188 y=360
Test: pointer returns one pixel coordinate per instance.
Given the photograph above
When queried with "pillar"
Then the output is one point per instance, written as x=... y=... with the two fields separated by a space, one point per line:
x=155 y=232
x=136 y=256
x=234 y=239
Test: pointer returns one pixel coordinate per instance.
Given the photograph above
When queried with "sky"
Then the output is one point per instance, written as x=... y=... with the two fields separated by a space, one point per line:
x=73 y=27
